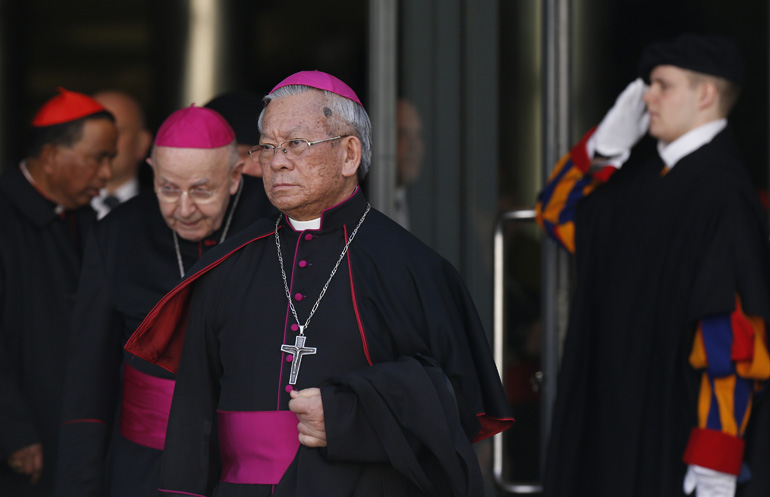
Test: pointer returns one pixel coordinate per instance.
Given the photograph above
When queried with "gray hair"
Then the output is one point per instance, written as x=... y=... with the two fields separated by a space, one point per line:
x=346 y=114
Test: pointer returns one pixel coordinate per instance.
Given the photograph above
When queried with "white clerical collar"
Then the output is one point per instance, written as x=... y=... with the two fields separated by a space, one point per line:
x=124 y=192
x=673 y=152
x=127 y=190
x=313 y=224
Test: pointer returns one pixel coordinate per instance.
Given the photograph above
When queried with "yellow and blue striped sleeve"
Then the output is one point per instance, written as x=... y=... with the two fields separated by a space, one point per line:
x=570 y=181
x=731 y=350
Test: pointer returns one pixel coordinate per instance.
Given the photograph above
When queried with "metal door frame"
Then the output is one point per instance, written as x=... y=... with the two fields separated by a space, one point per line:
x=555 y=264
x=498 y=346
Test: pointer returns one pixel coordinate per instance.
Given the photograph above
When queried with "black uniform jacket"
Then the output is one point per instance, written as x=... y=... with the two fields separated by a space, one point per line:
x=403 y=363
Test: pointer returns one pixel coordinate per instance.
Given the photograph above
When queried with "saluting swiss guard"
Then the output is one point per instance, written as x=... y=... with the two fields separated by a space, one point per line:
x=666 y=348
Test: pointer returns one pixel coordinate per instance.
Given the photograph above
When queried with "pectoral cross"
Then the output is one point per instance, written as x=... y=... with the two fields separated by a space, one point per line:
x=297 y=350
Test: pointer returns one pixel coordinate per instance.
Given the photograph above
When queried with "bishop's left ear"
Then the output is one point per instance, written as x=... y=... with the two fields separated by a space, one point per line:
x=237 y=175
x=352 y=148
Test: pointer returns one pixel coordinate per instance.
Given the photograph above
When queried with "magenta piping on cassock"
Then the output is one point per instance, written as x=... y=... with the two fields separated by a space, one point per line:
x=178 y=492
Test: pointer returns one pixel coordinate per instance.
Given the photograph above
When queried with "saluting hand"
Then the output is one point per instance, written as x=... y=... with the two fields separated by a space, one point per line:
x=623 y=125
x=308 y=407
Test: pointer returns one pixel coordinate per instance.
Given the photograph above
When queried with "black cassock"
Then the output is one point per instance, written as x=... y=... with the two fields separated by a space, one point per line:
x=129 y=264
x=404 y=366
x=655 y=254
x=40 y=256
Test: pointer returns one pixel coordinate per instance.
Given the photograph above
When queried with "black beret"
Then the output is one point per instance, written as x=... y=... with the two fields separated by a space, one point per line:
x=241 y=111
x=708 y=54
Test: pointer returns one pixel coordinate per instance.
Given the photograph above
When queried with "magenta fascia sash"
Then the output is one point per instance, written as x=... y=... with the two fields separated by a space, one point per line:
x=145 y=409
x=256 y=447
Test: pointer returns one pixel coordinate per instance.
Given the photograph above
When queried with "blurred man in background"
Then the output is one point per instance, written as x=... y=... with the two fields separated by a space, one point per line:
x=44 y=216
x=134 y=140
x=410 y=150
x=241 y=110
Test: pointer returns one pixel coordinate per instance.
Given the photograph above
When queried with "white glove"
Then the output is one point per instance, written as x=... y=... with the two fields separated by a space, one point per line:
x=708 y=482
x=623 y=125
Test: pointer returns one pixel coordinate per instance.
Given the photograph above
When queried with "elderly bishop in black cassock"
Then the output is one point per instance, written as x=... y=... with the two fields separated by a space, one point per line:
x=325 y=351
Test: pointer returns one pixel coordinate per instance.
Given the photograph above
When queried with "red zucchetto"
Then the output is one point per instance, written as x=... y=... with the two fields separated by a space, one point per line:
x=65 y=107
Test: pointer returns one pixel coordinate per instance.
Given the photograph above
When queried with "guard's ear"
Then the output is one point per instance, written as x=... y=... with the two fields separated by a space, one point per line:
x=351 y=146
x=708 y=94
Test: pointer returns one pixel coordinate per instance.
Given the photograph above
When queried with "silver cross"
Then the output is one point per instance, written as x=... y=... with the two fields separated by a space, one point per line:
x=297 y=350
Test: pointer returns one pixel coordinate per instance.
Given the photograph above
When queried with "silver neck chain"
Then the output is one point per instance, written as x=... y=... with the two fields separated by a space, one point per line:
x=221 y=238
x=302 y=328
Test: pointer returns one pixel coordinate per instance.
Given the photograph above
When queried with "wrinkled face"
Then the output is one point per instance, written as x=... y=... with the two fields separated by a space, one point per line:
x=324 y=175
x=75 y=174
x=672 y=102
x=189 y=169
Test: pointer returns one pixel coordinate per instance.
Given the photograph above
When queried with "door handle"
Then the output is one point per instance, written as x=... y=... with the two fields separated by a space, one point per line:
x=519 y=215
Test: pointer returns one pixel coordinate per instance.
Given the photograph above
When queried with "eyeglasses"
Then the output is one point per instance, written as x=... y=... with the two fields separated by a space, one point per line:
x=197 y=194
x=292 y=148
